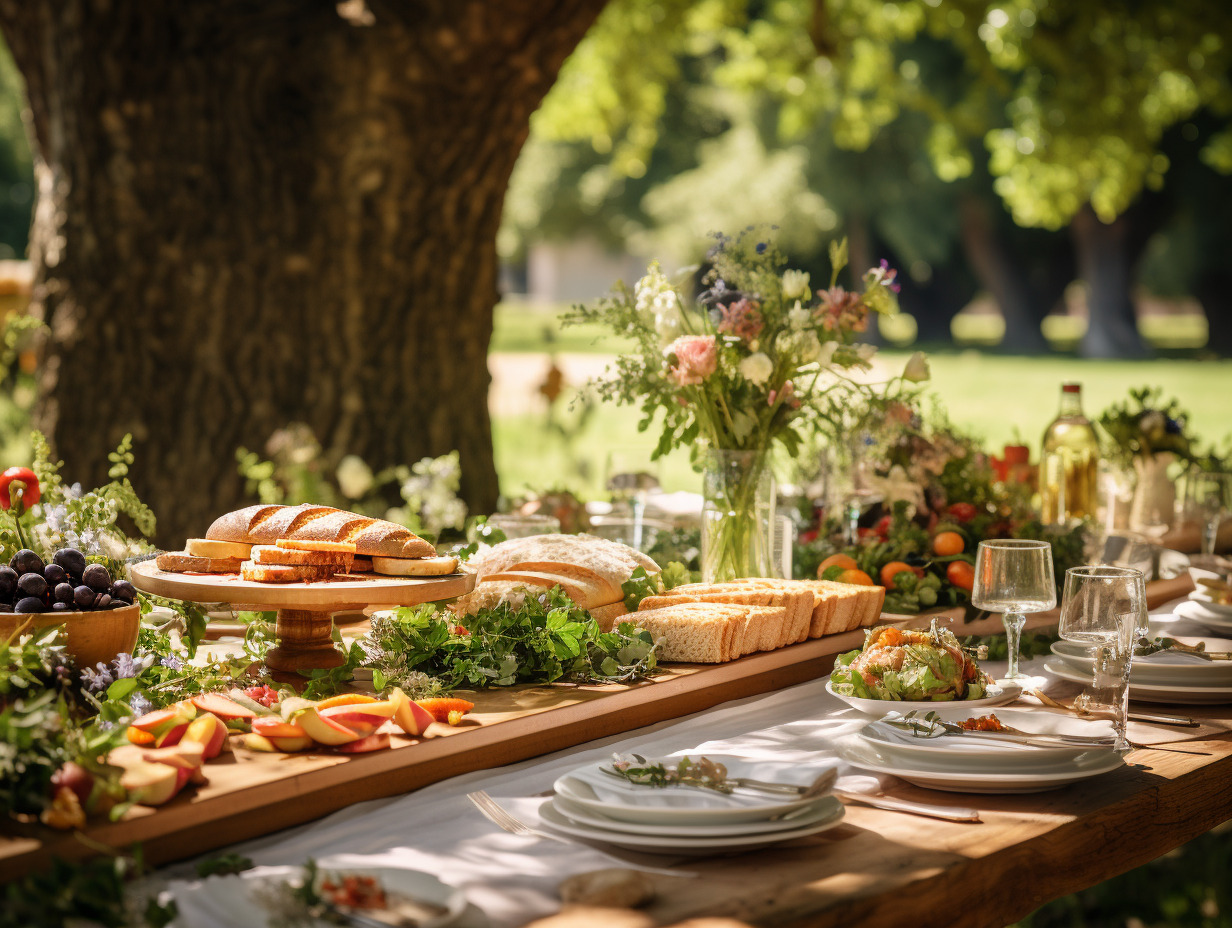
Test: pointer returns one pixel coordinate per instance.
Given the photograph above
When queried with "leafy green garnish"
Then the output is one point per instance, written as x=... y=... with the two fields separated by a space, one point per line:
x=223 y=865
x=640 y=585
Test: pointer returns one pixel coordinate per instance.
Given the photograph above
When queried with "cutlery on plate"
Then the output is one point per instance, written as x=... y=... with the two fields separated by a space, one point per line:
x=504 y=820
x=914 y=808
x=1133 y=716
x=819 y=787
x=1144 y=646
x=937 y=728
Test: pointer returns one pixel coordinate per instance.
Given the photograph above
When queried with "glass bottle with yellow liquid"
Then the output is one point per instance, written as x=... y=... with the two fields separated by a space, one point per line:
x=1069 y=463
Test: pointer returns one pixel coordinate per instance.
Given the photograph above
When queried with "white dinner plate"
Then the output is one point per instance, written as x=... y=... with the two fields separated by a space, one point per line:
x=1204 y=614
x=999 y=694
x=1195 y=694
x=977 y=752
x=862 y=754
x=808 y=814
x=1202 y=597
x=1163 y=668
x=616 y=798
x=680 y=845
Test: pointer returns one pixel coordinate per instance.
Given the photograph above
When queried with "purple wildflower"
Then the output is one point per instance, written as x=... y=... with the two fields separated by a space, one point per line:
x=97 y=681
x=171 y=662
x=140 y=704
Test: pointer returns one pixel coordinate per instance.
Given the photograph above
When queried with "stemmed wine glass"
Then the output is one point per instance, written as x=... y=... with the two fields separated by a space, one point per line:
x=1014 y=577
x=1105 y=609
x=1211 y=497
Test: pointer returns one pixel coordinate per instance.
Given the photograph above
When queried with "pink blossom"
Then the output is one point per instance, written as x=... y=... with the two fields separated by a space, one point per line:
x=697 y=357
x=743 y=319
x=841 y=309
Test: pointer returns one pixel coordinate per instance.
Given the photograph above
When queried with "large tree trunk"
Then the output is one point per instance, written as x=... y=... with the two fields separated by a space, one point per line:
x=1106 y=255
x=257 y=213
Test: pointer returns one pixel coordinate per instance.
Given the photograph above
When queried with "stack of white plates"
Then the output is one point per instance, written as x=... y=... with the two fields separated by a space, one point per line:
x=1201 y=608
x=1163 y=677
x=968 y=763
x=688 y=820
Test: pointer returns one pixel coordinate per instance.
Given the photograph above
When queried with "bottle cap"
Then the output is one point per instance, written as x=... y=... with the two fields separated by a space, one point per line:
x=1071 y=388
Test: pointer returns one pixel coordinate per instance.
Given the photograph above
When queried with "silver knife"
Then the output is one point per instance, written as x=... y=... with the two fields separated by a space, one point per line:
x=1164 y=719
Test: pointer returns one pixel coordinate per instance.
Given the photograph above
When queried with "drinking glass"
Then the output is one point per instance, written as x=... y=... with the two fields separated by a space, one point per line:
x=1210 y=496
x=629 y=480
x=1014 y=577
x=1105 y=609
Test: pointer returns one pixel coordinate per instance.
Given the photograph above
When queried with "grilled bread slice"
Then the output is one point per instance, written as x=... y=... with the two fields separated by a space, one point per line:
x=181 y=562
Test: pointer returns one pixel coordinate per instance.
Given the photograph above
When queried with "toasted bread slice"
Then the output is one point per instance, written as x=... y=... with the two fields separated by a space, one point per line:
x=361 y=565
x=307 y=544
x=179 y=562
x=273 y=554
x=207 y=547
x=414 y=567
x=281 y=573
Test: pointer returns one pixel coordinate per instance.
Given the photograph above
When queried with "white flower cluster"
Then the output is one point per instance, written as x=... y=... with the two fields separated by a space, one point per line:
x=355 y=477
x=431 y=493
x=799 y=317
x=757 y=368
x=804 y=346
x=795 y=284
x=655 y=298
x=85 y=521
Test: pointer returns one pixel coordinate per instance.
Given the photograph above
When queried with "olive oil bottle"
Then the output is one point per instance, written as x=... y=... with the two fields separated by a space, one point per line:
x=1069 y=463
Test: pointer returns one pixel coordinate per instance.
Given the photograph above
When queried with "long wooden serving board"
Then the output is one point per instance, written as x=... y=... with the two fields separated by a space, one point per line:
x=251 y=794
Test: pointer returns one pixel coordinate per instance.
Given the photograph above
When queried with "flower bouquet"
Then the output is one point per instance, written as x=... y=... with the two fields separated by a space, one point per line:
x=735 y=370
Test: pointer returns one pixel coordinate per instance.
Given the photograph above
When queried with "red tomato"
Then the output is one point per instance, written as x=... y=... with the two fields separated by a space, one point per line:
x=961 y=574
x=29 y=484
x=963 y=512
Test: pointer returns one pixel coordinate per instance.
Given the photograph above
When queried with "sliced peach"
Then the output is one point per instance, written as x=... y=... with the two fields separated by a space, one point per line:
x=411 y=717
x=208 y=731
x=376 y=742
x=255 y=742
x=360 y=722
x=385 y=708
x=152 y=784
x=226 y=709
x=345 y=699
x=188 y=756
x=137 y=736
x=157 y=721
x=324 y=730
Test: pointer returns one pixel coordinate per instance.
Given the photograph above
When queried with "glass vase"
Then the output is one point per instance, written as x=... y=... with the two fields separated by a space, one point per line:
x=737 y=516
x=1154 y=505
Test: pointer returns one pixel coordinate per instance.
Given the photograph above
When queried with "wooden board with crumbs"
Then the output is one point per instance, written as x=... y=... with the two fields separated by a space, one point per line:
x=251 y=794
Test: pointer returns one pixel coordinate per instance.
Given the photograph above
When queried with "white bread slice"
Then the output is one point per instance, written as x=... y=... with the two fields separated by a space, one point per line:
x=295 y=544
x=609 y=616
x=206 y=547
x=702 y=633
x=415 y=567
x=179 y=562
x=274 y=554
x=280 y=573
x=774 y=632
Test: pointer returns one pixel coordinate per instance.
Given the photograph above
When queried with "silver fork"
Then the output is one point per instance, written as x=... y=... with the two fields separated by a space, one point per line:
x=502 y=819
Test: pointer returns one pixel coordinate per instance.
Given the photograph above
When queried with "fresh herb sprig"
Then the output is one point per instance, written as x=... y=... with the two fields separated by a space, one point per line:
x=702 y=772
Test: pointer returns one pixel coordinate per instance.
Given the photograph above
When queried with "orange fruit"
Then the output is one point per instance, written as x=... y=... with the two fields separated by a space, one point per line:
x=961 y=574
x=855 y=576
x=948 y=543
x=345 y=699
x=137 y=736
x=845 y=561
x=893 y=569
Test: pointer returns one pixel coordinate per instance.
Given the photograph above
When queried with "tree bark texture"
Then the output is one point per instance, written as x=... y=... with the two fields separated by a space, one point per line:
x=257 y=213
x=1106 y=255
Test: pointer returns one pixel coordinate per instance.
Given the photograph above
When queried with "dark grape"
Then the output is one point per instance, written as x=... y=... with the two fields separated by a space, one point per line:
x=118 y=603
x=33 y=585
x=124 y=590
x=26 y=561
x=29 y=604
x=55 y=574
x=71 y=560
x=63 y=593
x=83 y=596
x=60 y=607
x=102 y=601
x=96 y=578
x=8 y=583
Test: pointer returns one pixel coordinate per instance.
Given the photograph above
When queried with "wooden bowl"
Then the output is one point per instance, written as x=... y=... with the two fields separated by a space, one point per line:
x=91 y=637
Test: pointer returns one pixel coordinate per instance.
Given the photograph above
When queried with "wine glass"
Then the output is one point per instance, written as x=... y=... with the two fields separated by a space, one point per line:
x=1105 y=609
x=1211 y=498
x=1014 y=577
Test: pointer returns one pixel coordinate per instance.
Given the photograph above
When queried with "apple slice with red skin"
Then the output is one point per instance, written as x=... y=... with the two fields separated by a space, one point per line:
x=185 y=755
x=376 y=742
x=384 y=709
x=160 y=720
x=152 y=784
x=324 y=730
x=172 y=736
x=410 y=716
x=208 y=731
x=284 y=736
x=356 y=718
x=226 y=709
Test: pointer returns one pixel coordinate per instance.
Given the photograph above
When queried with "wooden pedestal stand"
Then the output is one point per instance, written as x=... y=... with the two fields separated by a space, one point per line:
x=305 y=610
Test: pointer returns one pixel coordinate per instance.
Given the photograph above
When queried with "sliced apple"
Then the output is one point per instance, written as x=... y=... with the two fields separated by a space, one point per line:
x=276 y=728
x=158 y=721
x=152 y=784
x=376 y=742
x=172 y=735
x=226 y=709
x=410 y=716
x=188 y=756
x=362 y=723
x=384 y=708
x=255 y=742
x=207 y=731
x=324 y=730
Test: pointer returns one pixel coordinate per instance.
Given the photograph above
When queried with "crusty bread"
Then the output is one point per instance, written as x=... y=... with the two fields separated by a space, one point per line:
x=609 y=616
x=415 y=567
x=605 y=590
x=274 y=554
x=180 y=562
x=609 y=559
x=274 y=524
x=585 y=592
x=281 y=573
x=205 y=547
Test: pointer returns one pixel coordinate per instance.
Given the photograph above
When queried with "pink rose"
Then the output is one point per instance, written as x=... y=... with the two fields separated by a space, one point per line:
x=696 y=359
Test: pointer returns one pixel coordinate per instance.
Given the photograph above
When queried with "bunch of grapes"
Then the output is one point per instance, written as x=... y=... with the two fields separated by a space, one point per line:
x=67 y=583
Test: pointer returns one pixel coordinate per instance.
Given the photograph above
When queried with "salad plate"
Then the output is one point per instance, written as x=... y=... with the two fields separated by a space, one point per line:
x=617 y=798
x=688 y=845
x=1204 y=614
x=1189 y=694
x=808 y=814
x=959 y=778
x=1203 y=597
x=1163 y=668
x=999 y=694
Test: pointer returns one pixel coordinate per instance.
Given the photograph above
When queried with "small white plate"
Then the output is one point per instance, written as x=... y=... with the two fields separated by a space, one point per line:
x=1203 y=598
x=681 y=845
x=1204 y=614
x=806 y=815
x=999 y=695
x=1195 y=694
x=862 y=754
x=1159 y=669
x=616 y=798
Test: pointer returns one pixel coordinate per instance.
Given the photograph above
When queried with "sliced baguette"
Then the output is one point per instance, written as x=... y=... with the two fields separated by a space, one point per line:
x=415 y=567
x=180 y=562
x=281 y=573
x=361 y=565
x=290 y=557
x=206 y=547
x=300 y=544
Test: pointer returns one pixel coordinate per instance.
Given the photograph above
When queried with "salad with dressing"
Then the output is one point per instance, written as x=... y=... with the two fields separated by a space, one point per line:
x=900 y=665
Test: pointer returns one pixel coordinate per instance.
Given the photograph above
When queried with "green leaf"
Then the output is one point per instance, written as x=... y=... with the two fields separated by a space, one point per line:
x=121 y=688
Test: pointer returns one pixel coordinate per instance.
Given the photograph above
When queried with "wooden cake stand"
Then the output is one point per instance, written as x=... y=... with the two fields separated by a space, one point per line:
x=305 y=610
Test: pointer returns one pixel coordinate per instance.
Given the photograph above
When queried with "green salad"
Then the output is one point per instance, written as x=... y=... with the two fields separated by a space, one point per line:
x=900 y=665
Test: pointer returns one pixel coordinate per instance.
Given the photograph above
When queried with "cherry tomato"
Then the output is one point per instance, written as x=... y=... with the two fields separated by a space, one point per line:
x=893 y=569
x=28 y=483
x=882 y=527
x=963 y=512
x=948 y=543
x=961 y=574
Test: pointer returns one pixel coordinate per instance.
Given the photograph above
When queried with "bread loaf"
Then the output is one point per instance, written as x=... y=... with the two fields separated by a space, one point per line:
x=271 y=524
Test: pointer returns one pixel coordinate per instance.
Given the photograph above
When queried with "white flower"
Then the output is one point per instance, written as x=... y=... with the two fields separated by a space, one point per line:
x=804 y=346
x=798 y=317
x=354 y=477
x=917 y=368
x=757 y=368
x=827 y=353
x=795 y=284
x=866 y=351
